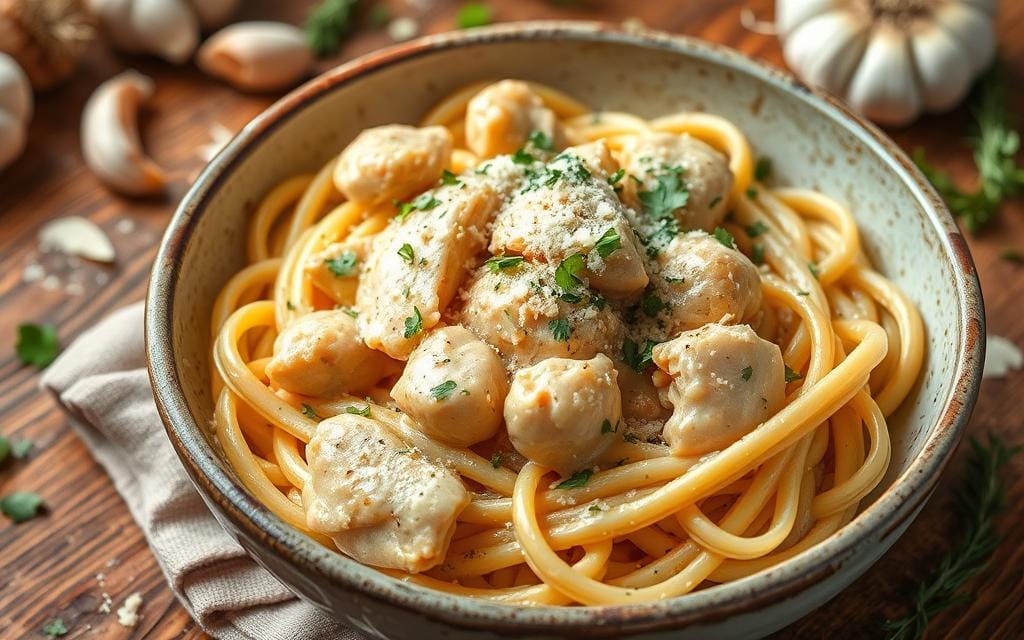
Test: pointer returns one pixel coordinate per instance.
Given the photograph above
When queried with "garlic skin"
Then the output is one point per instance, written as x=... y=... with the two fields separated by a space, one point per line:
x=257 y=56
x=110 y=136
x=15 y=109
x=890 y=59
x=168 y=29
x=77 y=236
x=47 y=37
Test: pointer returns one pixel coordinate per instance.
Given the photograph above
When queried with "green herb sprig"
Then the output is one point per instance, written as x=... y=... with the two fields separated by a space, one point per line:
x=328 y=25
x=979 y=499
x=995 y=149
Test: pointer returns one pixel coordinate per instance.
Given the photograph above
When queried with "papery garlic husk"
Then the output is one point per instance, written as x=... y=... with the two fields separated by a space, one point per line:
x=257 y=56
x=110 y=136
x=77 y=236
x=890 y=59
x=165 y=28
x=15 y=109
x=47 y=37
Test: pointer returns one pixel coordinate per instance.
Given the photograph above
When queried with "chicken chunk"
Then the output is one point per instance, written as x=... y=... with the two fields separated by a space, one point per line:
x=564 y=209
x=453 y=387
x=725 y=381
x=597 y=157
x=641 y=403
x=502 y=116
x=418 y=263
x=697 y=280
x=392 y=162
x=381 y=502
x=520 y=311
x=563 y=413
x=321 y=355
x=681 y=175
x=335 y=270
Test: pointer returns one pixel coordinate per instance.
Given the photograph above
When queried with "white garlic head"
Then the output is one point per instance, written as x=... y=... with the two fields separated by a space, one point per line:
x=15 y=109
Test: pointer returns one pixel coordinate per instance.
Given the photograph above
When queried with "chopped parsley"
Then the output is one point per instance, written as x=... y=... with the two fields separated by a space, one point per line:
x=496 y=460
x=669 y=193
x=725 y=237
x=757 y=254
x=763 y=168
x=288 y=304
x=609 y=243
x=616 y=177
x=813 y=268
x=594 y=508
x=309 y=412
x=638 y=359
x=652 y=305
x=350 y=312
x=21 y=506
x=756 y=229
x=473 y=14
x=606 y=427
x=354 y=410
x=343 y=264
x=791 y=375
x=406 y=253
x=328 y=25
x=21 y=449
x=540 y=140
x=423 y=202
x=746 y=373
x=560 y=329
x=631 y=438
x=566 y=273
x=576 y=480
x=449 y=178
x=673 y=280
x=751 y=193
x=443 y=390
x=37 y=344
x=413 y=324
x=499 y=263
x=522 y=156
x=55 y=628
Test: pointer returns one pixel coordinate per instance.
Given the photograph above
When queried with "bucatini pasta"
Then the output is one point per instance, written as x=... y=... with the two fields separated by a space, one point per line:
x=541 y=355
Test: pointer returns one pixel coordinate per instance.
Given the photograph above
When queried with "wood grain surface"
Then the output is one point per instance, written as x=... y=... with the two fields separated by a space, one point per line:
x=49 y=566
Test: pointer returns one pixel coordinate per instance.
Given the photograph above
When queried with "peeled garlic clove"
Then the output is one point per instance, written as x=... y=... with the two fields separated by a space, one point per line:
x=15 y=109
x=166 y=28
x=110 y=136
x=884 y=87
x=972 y=29
x=826 y=49
x=944 y=72
x=213 y=13
x=12 y=138
x=790 y=14
x=257 y=56
x=77 y=236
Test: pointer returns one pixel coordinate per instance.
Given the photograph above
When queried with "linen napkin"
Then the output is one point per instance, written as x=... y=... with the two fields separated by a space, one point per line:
x=100 y=381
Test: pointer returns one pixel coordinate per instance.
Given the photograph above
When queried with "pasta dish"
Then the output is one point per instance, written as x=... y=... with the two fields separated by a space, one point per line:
x=542 y=355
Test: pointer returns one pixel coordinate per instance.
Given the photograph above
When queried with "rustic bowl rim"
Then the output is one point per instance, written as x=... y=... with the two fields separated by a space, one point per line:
x=887 y=514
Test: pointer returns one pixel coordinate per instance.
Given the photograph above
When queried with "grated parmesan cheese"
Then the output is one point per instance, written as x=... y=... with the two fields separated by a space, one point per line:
x=128 y=614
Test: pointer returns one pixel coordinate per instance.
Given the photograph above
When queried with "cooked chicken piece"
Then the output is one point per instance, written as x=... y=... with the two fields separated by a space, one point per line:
x=520 y=311
x=725 y=382
x=453 y=387
x=335 y=270
x=392 y=162
x=321 y=355
x=563 y=209
x=597 y=157
x=670 y=165
x=381 y=502
x=502 y=116
x=418 y=263
x=694 y=281
x=562 y=413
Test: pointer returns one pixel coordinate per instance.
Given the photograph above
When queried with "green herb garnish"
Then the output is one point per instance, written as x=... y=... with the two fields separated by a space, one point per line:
x=792 y=376
x=725 y=237
x=566 y=273
x=763 y=168
x=496 y=460
x=652 y=305
x=669 y=193
x=473 y=14
x=413 y=324
x=751 y=193
x=328 y=25
x=449 y=178
x=55 y=628
x=757 y=254
x=560 y=329
x=609 y=243
x=343 y=264
x=638 y=359
x=540 y=140
x=443 y=390
x=756 y=229
x=616 y=177
x=499 y=263
x=406 y=253
x=576 y=480
x=37 y=344
x=423 y=202
x=522 y=156
x=813 y=268
x=21 y=506
x=354 y=410
x=309 y=412
x=746 y=373
x=606 y=426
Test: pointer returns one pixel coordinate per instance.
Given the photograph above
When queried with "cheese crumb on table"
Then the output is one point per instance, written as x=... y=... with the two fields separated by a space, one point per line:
x=128 y=614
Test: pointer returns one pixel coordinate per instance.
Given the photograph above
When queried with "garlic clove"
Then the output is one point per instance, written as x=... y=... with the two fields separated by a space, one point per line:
x=257 y=56
x=12 y=138
x=972 y=28
x=884 y=87
x=826 y=49
x=15 y=90
x=110 y=136
x=167 y=28
x=47 y=37
x=790 y=14
x=213 y=13
x=945 y=73
x=77 y=236
x=1001 y=357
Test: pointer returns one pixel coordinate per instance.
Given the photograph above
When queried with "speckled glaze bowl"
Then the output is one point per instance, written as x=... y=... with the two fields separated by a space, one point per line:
x=814 y=141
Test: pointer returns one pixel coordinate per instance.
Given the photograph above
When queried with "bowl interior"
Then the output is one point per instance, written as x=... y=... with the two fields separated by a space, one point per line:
x=811 y=144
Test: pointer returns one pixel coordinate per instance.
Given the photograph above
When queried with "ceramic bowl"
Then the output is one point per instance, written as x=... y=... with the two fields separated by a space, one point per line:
x=814 y=141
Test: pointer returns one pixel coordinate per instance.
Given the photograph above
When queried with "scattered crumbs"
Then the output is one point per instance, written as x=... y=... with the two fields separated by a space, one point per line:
x=219 y=137
x=51 y=283
x=101 y=578
x=128 y=614
x=1001 y=357
x=107 y=602
x=33 y=272
x=124 y=226
x=113 y=562
x=101 y=278
x=403 y=28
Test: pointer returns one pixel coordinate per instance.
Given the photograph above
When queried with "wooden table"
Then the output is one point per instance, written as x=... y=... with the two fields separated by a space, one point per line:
x=50 y=564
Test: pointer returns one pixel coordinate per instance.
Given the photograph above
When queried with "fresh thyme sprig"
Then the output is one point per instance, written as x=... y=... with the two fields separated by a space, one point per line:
x=328 y=25
x=979 y=500
x=995 y=148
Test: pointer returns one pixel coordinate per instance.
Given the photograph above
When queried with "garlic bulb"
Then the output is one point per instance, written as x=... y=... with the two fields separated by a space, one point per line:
x=46 y=37
x=257 y=56
x=890 y=59
x=165 y=28
x=110 y=136
x=15 y=109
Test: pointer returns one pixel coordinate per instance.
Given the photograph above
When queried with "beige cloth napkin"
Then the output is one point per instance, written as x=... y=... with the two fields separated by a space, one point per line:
x=100 y=381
